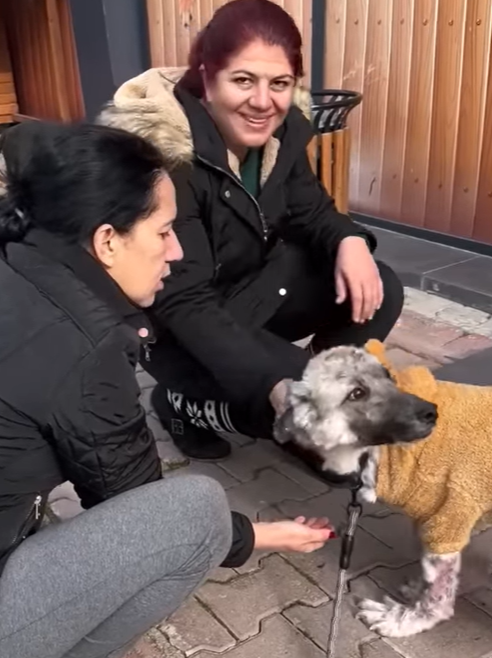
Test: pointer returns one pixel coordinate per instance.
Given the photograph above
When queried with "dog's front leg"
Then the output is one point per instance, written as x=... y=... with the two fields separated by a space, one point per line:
x=434 y=604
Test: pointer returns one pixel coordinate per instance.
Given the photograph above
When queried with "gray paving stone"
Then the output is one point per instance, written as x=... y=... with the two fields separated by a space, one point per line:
x=466 y=318
x=222 y=575
x=396 y=531
x=243 y=603
x=160 y=434
x=245 y=464
x=426 y=304
x=145 y=402
x=170 y=456
x=278 y=639
x=387 y=580
x=485 y=329
x=322 y=566
x=379 y=649
x=144 y=379
x=333 y=504
x=482 y=598
x=154 y=645
x=269 y=488
x=240 y=439
x=315 y=623
x=295 y=470
x=476 y=566
x=212 y=470
x=192 y=628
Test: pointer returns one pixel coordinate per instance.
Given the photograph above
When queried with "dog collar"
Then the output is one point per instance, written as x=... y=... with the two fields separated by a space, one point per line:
x=351 y=481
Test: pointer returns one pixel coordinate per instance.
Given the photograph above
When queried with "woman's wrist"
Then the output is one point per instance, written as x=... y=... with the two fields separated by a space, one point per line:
x=263 y=536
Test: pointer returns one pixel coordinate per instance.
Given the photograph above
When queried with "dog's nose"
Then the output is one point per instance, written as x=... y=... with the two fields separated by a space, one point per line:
x=428 y=413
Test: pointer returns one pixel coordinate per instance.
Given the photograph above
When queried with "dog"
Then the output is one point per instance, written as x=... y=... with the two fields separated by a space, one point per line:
x=349 y=410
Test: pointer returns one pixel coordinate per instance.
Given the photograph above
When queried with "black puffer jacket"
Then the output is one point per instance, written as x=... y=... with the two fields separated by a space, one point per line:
x=238 y=252
x=69 y=399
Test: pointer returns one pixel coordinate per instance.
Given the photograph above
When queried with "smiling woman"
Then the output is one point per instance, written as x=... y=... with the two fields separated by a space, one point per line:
x=268 y=259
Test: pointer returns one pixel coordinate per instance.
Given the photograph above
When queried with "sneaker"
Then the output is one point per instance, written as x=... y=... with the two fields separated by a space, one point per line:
x=194 y=442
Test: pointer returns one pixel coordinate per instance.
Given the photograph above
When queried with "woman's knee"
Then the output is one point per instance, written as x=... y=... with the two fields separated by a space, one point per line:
x=393 y=292
x=203 y=503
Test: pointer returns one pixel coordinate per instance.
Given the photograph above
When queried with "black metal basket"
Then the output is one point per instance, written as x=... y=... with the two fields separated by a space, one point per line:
x=331 y=107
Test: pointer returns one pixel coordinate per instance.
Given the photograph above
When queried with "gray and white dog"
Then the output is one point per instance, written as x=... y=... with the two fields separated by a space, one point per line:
x=348 y=405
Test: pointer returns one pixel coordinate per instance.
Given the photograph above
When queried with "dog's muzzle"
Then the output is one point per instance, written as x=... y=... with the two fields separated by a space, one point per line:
x=415 y=418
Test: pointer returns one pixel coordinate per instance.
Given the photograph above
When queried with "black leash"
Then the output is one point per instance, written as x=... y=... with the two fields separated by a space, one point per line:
x=354 y=511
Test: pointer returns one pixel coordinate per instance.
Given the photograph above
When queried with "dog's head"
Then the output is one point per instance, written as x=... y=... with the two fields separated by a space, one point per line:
x=348 y=398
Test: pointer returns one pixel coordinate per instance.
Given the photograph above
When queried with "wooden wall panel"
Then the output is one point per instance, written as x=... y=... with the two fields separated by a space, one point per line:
x=353 y=57
x=373 y=119
x=472 y=103
x=44 y=60
x=8 y=97
x=397 y=119
x=173 y=24
x=419 y=114
x=422 y=137
x=445 y=112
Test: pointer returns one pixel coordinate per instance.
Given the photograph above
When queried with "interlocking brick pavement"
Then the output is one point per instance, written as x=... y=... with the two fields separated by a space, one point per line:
x=279 y=605
x=249 y=599
x=194 y=628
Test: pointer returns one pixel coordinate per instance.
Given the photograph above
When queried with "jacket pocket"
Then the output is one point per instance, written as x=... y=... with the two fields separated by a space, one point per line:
x=26 y=522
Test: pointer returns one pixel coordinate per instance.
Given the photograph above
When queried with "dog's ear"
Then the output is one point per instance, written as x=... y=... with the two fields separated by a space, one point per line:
x=377 y=349
x=299 y=415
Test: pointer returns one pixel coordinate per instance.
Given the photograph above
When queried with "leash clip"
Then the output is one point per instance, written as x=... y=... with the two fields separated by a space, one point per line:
x=354 y=511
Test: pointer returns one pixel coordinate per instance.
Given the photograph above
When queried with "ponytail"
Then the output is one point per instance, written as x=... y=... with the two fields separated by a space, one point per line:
x=14 y=224
x=192 y=79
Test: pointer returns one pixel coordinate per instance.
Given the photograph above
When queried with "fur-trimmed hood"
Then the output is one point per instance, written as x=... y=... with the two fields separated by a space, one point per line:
x=146 y=105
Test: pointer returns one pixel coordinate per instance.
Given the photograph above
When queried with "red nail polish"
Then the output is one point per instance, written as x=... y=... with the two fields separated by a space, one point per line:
x=333 y=535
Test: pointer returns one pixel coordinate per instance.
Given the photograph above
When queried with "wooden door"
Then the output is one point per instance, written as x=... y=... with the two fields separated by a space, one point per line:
x=44 y=59
x=8 y=98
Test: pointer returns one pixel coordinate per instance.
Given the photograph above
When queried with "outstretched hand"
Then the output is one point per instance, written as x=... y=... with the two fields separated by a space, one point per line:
x=300 y=535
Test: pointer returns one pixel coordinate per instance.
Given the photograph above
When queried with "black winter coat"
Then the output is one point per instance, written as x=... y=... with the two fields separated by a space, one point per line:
x=236 y=268
x=69 y=398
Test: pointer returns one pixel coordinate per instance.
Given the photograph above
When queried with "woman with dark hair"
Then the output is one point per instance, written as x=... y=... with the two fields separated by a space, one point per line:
x=86 y=240
x=268 y=259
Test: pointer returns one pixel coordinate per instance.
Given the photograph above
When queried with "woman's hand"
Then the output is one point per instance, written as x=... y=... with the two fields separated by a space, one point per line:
x=301 y=535
x=357 y=277
x=278 y=396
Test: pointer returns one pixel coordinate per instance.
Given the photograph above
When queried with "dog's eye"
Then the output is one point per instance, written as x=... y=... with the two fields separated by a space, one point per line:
x=357 y=394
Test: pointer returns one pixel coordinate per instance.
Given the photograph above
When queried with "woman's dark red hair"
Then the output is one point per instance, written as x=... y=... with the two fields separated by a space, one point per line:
x=233 y=27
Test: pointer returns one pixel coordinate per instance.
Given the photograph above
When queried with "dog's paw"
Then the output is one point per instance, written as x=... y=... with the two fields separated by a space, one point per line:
x=393 y=619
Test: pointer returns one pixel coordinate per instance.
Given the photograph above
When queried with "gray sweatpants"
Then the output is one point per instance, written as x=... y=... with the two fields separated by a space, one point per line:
x=90 y=586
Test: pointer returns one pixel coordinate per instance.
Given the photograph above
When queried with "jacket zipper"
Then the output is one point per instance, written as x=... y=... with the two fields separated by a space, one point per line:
x=238 y=183
x=147 y=347
x=21 y=535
